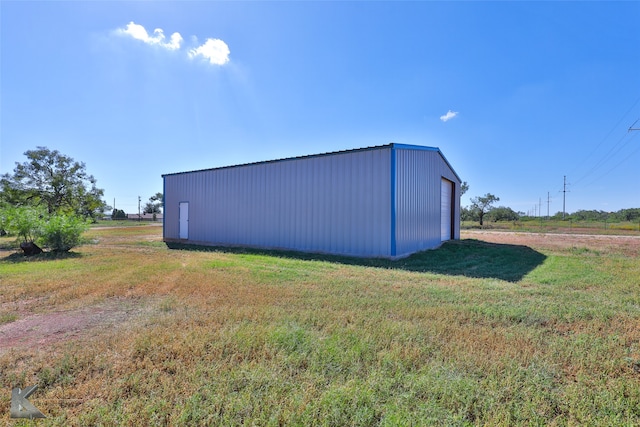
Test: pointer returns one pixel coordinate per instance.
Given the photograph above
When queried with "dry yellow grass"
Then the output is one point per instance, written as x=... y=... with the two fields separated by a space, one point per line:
x=183 y=337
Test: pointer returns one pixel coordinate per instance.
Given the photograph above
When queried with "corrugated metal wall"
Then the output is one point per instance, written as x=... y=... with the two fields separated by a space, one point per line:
x=419 y=174
x=337 y=203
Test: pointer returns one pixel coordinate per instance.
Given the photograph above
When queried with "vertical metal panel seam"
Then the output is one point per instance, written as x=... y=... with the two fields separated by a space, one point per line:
x=311 y=205
x=393 y=201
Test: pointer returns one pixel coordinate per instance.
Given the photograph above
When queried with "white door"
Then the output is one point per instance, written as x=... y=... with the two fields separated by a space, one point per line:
x=446 y=198
x=184 y=220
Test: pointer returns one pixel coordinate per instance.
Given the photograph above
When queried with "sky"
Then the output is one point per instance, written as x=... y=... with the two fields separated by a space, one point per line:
x=517 y=95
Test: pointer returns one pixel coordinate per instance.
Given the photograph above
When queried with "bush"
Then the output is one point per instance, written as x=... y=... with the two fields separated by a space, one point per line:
x=62 y=232
x=118 y=214
x=58 y=232
x=24 y=222
x=503 y=213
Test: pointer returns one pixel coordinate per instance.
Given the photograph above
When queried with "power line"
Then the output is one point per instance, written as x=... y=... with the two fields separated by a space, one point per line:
x=607 y=136
x=615 y=149
x=617 y=164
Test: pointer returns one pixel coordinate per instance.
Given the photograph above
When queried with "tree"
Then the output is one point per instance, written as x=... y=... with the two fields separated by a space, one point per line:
x=482 y=204
x=154 y=205
x=54 y=181
x=630 y=214
x=468 y=214
x=464 y=187
x=590 y=215
x=503 y=213
x=118 y=214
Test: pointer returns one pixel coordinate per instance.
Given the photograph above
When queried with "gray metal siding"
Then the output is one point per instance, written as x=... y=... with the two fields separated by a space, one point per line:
x=336 y=203
x=418 y=199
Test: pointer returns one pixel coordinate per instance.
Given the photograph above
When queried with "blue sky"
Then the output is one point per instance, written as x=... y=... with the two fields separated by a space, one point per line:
x=515 y=94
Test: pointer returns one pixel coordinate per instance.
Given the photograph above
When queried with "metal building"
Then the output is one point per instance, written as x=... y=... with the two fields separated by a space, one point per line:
x=386 y=201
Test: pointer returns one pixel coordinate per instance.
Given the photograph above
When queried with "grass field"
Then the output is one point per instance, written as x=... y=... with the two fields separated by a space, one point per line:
x=552 y=225
x=124 y=331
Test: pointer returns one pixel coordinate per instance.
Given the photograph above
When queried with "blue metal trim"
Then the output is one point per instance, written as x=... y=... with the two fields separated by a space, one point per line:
x=393 y=200
x=414 y=147
x=164 y=206
x=424 y=148
x=378 y=147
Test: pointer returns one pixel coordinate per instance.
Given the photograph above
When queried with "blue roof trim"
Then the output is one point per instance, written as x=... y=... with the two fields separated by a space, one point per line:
x=413 y=147
x=393 y=200
x=376 y=147
x=424 y=148
x=309 y=156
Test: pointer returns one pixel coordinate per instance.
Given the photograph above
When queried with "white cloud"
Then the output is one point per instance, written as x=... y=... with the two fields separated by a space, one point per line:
x=450 y=115
x=214 y=50
x=138 y=32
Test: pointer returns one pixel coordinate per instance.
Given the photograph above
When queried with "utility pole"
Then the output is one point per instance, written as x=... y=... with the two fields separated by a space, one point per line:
x=139 y=217
x=630 y=129
x=564 y=197
x=540 y=206
x=548 y=202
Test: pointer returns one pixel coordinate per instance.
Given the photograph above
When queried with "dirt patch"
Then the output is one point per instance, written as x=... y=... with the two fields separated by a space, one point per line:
x=626 y=245
x=45 y=329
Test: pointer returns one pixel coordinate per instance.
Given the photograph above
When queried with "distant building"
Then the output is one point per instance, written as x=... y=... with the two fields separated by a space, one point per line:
x=386 y=201
x=145 y=217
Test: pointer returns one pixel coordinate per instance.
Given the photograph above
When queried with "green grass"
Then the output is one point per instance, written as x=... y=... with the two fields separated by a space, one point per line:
x=8 y=318
x=553 y=225
x=474 y=333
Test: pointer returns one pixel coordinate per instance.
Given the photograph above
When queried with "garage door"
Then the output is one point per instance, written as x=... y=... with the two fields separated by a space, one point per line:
x=446 y=208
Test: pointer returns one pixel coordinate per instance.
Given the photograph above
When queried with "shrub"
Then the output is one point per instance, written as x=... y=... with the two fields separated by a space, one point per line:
x=503 y=213
x=62 y=232
x=24 y=222
x=118 y=214
x=4 y=222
